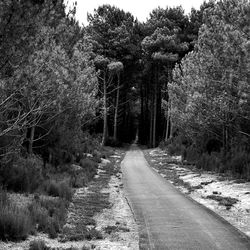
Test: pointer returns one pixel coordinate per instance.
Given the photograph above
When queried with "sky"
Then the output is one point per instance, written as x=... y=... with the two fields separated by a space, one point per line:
x=138 y=8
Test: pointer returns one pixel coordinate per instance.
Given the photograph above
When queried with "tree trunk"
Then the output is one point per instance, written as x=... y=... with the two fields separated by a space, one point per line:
x=168 y=123
x=142 y=129
x=31 y=140
x=155 y=115
x=105 y=112
x=151 y=125
x=116 y=107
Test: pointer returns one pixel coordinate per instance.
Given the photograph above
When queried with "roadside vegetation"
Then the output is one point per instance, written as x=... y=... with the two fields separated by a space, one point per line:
x=209 y=94
x=44 y=198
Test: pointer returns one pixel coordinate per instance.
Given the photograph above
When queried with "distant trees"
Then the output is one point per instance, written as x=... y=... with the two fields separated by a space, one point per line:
x=174 y=76
x=112 y=34
x=167 y=42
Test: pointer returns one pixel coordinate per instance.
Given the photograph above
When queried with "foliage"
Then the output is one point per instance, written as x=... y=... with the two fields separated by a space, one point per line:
x=60 y=189
x=22 y=175
x=39 y=215
x=209 y=91
x=47 y=74
x=209 y=162
x=48 y=215
x=37 y=245
x=89 y=168
x=239 y=164
x=15 y=223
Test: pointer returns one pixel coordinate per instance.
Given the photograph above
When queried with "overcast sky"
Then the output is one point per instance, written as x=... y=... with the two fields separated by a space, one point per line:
x=138 y=8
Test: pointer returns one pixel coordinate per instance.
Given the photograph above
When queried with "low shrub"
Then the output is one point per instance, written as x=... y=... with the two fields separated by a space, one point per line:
x=38 y=245
x=22 y=175
x=209 y=162
x=163 y=144
x=52 y=188
x=57 y=209
x=94 y=234
x=39 y=216
x=96 y=159
x=59 y=189
x=65 y=191
x=4 y=200
x=239 y=164
x=15 y=223
x=191 y=154
x=49 y=215
x=53 y=228
x=90 y=143
x=78 y=181
x=174 y=147
x=236 y=163
x=89 y=168
x=97 y=154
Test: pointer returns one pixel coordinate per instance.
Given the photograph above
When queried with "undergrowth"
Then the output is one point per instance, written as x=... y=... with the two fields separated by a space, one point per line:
x=52 y=187
x=15 y=223
x=234 y=163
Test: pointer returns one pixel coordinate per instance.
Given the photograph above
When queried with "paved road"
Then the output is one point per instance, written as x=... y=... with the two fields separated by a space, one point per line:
x=169 y=220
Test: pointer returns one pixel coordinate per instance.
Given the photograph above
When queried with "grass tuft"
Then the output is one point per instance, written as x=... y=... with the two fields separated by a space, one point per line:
x=15 y=223
x=38 y=245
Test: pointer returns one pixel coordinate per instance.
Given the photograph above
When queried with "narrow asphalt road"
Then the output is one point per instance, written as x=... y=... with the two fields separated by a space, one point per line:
x=169 y=220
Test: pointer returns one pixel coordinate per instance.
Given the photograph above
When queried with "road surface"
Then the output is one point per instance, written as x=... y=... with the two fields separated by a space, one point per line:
x=169 y=220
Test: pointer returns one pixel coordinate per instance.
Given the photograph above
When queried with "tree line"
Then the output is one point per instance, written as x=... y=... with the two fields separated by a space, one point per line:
x=180 y=80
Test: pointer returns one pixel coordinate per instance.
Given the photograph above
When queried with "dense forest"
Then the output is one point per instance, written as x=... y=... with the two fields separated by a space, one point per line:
x=176 y=80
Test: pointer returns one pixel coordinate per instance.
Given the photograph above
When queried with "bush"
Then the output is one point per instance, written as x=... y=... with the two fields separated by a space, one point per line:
x=53 y=228
x=89 y=168
x=96 y=159
x=78 y=181
x=61 y=189
x=209 y=162
x=239 y=164
x=49 y=215
x=52 y=188
x=175 y=149
x=3 y=197
x=65 y=192
x=191 y=154
x=39 y=216
x=94 y=234
x=101 y=154
x=22 y=175
x=15 y=223
x=37 y=245
x=90 y=143
x=173 y=145
x=113 y=143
